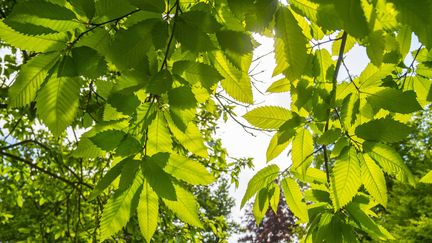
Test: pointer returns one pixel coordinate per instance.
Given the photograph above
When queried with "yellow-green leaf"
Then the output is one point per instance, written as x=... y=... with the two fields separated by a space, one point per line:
x=30 y=78
x=345 y=179
x=373 y=179
x=302 y=150
x=294 y=197
x=261 y=179
x=268 y=117
x=148 y=211
x=185 y=206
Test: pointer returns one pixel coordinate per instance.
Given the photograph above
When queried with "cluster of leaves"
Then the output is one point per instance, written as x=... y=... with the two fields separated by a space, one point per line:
x=341 y=131
x=33 y=208
x=154 y=65
x=407 y=215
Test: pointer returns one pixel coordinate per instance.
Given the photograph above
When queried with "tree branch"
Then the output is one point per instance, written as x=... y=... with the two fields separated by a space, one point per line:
x=332 y=100
x=177 y=11
x=34 y=166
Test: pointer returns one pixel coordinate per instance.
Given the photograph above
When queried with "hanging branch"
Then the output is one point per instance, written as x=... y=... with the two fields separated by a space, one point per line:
x=332 y=100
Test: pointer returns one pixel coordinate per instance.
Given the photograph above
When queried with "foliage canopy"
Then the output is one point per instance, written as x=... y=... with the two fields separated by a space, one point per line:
x=137 y=74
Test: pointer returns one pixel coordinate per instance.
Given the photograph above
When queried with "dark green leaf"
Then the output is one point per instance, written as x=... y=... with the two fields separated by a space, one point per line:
x=386 y=129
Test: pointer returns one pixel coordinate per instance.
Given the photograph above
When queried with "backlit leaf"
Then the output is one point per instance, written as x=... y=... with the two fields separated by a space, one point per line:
x=117 y=210
x=188 y=170
x=373 y=179
x=345 y=179
x=386 y=129
x=57 y=103
x=185 y=207
x=268 y=117
x=302 y=150
x=294 y=197
x=37 y=43
x=290 y=46
x=261 y=179
x=148 y=211
x=389 y=160
x=30 y=78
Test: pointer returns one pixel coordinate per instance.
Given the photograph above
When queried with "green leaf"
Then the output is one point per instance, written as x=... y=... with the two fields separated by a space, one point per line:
x=129 y=145
x=375 y=46
x=191 y=139
x=160 y=83
x=345 y=179
x=302 y=150
x=124 y=103
x=185 y=207
x=372 y=76
x=261 y=179
x=353 y=17
x=30 y=78
x=195 y=72
x=236 y=82
x=277 y=145
x=293 y=197
x=46 y=14
x=149 y=5
x=188 y=170
x=159 y=180
x=290 y=46
x=330 y=136
x=261 y=205
x=130 y=46
x=88 y=62
x=323 y=13
x=385 y=129
x=148 y=211
x=182 y=106
x=111 y=9
x=119 y=208
x=394 y=100
x=108 y=140
x=389 y=160
x=373 y=179
x=235 y=41
x=37 y=43
x=349 y=44
x=418 y=18
x=57 y=103
x=427 y=178
x=84 y=7
x=109 y=177
x=268 y=117
x=280 y=86
x=404 y=39
x=99 y=40
x=274 y=195
x=366 y=223
x=159 y=137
